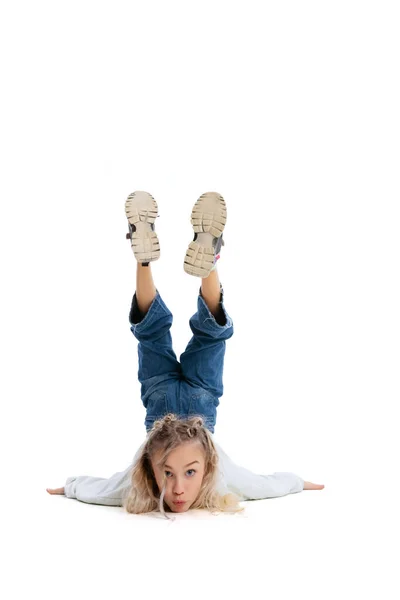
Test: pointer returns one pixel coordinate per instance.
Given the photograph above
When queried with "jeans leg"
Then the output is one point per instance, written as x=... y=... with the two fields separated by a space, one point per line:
x=203 y=360
x=157 y=360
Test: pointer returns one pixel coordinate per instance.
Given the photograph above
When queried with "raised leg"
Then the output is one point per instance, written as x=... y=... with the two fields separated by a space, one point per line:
x=211 y=293
x=145 y=288
x=203 y=360
x=151 y=321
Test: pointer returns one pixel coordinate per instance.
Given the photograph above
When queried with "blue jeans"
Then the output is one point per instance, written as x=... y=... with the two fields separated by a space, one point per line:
x=192 y=386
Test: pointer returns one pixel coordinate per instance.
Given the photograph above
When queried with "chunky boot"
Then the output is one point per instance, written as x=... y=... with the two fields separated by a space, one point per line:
x=141 y=211
x=208 y=219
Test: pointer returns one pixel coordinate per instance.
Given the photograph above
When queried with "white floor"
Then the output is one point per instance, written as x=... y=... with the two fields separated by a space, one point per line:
x=308 y=545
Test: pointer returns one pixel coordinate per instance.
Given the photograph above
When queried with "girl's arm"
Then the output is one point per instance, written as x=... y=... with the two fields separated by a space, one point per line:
x=251 y=486
x=98 y=490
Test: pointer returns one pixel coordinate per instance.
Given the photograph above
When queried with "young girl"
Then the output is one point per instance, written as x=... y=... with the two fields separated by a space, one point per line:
x=180 y=466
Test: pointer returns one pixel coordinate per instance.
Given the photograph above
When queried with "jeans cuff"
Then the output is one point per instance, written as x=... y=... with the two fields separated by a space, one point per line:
x=220 y=317
x=136 y=316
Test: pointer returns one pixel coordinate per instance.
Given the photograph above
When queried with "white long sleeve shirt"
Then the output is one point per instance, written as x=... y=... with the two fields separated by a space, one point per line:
x=231 y=479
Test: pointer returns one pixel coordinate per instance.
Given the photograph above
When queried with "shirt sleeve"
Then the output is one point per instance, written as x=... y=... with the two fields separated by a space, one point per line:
x=251 y=486
x=99 y=490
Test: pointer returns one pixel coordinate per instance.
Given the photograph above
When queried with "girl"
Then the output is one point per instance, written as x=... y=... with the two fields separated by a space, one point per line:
x=180 y=466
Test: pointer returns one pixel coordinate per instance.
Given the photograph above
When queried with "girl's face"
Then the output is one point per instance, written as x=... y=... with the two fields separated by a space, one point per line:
x=184 y=470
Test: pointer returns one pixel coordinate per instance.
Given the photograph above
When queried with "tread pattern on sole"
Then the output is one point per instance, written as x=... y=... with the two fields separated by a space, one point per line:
x=141 y=206
x=199 y=260
x=145 y=246
x=141 y=210
x=209 y=214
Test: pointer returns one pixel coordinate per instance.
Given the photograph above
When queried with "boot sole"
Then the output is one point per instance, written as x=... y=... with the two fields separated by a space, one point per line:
x=208 y=220
x=141 y=210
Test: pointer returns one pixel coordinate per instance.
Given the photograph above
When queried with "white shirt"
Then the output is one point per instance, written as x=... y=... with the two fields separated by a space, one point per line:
x=231 y=479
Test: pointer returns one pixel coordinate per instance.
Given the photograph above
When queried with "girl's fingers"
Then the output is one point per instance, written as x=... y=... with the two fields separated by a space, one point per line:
x=308 y=485
x=55 y=491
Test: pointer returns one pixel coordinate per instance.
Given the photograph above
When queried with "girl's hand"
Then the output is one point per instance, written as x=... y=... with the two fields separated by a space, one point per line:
x=312 y=486
x=56 y=491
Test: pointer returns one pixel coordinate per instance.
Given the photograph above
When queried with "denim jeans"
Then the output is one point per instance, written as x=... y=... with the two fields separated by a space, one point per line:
x=192 y=386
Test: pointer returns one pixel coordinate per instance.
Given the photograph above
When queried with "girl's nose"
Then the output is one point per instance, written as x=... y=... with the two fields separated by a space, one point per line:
x=178 y=487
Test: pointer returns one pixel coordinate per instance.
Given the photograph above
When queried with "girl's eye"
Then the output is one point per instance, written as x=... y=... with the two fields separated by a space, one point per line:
x=190 y=472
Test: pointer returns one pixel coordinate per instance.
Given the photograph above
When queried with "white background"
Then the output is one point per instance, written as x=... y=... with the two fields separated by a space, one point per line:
x=290 y=110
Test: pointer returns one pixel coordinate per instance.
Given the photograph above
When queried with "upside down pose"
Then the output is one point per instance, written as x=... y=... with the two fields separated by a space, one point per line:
x=180 y=465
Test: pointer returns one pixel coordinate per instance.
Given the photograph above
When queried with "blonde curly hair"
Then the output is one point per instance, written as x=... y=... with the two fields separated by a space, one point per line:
x=167 y=434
